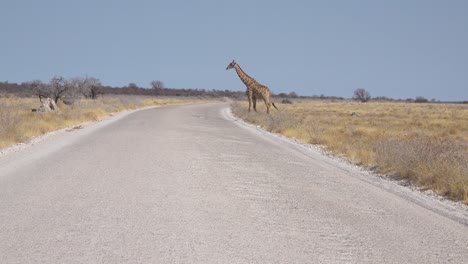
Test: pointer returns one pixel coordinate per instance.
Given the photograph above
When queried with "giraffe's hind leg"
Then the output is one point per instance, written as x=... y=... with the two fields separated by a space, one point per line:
x=267 y=105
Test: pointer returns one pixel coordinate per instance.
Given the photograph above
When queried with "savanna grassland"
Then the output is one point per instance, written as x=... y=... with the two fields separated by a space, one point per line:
x=19 y=124
x=424 y=143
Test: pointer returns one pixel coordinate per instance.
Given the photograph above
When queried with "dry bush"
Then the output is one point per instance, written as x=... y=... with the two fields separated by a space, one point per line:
x=434 y=163
x=91 y=116
x=12 y=112
x=9 y=117
x=277 y=121
x=280 y=121
x=314 y=130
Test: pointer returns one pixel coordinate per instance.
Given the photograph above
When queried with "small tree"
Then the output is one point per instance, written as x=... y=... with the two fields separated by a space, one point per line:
x=420 y=99
x=89 y=87
x=94 y=87
x=157 y=85
x=133 y=86
x=361 y=95
x=58 y=88
x=37 y=87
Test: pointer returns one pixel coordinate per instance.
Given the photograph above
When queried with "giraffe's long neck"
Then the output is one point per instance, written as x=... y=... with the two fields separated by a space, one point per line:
x=246 y=79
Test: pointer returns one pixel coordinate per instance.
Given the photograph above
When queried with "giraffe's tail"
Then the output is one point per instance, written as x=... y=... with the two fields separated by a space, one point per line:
x=274 y=106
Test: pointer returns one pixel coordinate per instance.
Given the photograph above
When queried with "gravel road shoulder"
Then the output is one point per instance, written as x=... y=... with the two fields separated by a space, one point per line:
x=456 y=211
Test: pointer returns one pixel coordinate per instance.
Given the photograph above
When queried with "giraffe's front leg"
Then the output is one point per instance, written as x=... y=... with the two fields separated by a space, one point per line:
x=249 y=94
x=254 y=99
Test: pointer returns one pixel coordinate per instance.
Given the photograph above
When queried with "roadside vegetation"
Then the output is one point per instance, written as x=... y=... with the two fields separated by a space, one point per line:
x=424 y=143
x=26 y=112
x=19 y=124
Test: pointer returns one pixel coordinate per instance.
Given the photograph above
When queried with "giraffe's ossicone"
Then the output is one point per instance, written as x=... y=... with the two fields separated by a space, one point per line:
x=254 y=89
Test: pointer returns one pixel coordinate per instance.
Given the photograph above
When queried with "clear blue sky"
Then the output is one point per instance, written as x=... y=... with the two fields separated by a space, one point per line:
x=395 y=48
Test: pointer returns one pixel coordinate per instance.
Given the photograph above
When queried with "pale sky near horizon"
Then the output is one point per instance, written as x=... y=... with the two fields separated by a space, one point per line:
x=395 y=48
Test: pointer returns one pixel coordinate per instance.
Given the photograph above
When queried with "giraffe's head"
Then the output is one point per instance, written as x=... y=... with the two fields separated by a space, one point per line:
x=231 y=65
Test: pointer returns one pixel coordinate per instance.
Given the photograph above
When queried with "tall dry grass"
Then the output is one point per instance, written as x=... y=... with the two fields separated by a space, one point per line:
x=19 y=124
x=424 y=143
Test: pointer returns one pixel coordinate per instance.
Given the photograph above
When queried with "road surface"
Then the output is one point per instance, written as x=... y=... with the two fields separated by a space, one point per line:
x=190 y=184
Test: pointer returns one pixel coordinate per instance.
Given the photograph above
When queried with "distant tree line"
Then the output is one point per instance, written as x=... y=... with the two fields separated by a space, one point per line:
x=58 y=88
x=362 y=95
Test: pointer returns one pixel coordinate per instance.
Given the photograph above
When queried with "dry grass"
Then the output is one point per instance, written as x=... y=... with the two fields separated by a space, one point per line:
x=19 y=124
x=424 y=143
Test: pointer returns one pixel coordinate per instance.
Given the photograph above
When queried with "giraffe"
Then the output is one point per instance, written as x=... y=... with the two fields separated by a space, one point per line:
x=254 y=89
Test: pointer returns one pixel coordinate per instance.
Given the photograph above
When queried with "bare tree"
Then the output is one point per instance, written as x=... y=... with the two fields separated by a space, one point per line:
x=361 y=95
x=94 y=87
x=58 y=88
x=133 y=86
x=157 y=85
x=78 y=84
x=89 y=87
x=420 y=99
x=38 y=88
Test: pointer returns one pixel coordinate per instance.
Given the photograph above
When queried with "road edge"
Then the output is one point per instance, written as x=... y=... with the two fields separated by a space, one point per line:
x=456 y=211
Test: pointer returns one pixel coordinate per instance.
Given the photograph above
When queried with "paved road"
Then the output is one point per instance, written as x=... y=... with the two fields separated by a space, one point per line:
x=188 y=184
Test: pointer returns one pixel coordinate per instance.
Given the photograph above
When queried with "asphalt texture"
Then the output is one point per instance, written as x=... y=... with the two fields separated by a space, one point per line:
x=191 y=184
